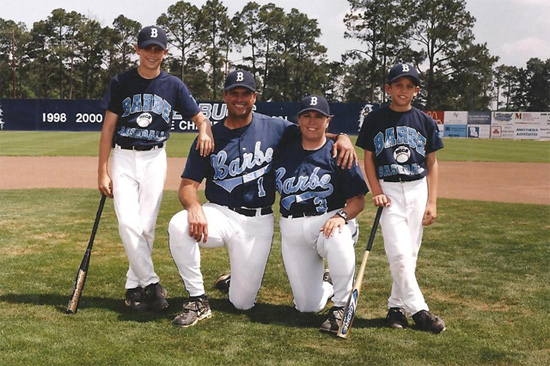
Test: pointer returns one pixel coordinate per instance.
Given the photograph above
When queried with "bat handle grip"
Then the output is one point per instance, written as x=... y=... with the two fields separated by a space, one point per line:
x=374 y=227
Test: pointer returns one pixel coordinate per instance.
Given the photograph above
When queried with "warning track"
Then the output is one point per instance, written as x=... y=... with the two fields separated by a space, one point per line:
x=501 y=182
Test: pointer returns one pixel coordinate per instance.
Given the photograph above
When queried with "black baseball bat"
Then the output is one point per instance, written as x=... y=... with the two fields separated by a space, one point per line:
x=82 y=272
x=351 y=306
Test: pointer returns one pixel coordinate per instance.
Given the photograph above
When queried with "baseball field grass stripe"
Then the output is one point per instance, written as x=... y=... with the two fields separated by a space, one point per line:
x=60 y=143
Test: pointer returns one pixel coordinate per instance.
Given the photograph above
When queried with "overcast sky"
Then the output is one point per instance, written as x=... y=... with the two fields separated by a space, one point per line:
x=514 y=30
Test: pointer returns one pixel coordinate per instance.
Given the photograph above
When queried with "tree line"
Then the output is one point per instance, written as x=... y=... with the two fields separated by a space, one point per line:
x=70 y=56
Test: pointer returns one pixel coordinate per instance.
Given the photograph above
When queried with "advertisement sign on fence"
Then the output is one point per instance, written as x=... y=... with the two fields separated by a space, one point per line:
x=455 y=131
x=455 y=117
x=479 y=118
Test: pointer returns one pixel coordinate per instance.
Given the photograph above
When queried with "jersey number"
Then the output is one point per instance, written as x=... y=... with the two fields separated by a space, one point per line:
x=321 y=204
x=261 y=190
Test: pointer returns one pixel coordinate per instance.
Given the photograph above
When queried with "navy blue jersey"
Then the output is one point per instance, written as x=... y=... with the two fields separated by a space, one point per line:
x=144 y=107
x=400 y=142
x=311 y=183
x=239 y=173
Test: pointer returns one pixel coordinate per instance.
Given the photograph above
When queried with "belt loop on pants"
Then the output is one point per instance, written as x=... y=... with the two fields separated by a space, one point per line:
x=251 y=212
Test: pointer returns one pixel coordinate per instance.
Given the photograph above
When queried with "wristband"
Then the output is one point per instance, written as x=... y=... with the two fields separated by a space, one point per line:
x=343 y=214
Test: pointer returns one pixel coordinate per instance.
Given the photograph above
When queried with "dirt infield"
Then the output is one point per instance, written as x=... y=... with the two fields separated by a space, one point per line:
x=502 y=182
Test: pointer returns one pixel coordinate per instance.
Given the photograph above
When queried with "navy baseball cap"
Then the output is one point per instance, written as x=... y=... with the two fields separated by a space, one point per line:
x=315 y=103
x=401 y=70
x=240 y=78
x=152 y=35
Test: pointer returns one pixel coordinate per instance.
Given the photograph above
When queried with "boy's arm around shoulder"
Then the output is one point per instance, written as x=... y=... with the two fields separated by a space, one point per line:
x=205 y=140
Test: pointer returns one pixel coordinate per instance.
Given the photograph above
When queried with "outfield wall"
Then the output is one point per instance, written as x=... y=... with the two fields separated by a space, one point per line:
x=87 y=115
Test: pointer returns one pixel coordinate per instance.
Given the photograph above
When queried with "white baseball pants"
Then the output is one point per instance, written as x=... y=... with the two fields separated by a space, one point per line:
x=248 y=241
x=402 y=231
x=304 y=249
x=138 y=182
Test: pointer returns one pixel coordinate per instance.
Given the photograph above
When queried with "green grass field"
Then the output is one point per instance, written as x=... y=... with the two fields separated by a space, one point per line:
x=25 y=143
x=483 y=268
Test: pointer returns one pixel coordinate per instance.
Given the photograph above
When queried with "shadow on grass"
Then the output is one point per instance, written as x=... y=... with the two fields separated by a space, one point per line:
x=60 y=302
x=287 y=315
x=261 y=313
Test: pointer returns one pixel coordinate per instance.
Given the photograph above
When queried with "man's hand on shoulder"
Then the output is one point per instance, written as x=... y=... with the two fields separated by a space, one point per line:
x=344 y=149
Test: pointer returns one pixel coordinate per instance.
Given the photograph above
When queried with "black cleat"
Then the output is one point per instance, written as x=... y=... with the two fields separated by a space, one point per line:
x=135 y=299
x=155 y=296
x=222 y=283
x=426 y=321
x=396 y=318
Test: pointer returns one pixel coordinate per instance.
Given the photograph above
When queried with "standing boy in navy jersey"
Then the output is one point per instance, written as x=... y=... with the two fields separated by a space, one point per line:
x=136 y=127
x=400 y=142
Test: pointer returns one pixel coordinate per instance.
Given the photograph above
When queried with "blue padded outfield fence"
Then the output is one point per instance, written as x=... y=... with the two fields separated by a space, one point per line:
x=87 y=115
